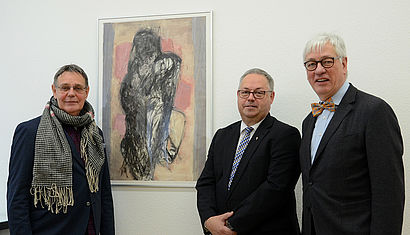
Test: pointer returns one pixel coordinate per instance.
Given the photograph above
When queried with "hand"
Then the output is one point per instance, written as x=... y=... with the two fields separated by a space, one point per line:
x=216 y=224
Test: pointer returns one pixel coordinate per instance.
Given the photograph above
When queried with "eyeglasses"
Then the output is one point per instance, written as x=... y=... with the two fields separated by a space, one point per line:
x=258 y=94
x=327 y=62
x=77 y=89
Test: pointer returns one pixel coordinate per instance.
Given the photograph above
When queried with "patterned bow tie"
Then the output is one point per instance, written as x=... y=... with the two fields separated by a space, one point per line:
x=317 y=108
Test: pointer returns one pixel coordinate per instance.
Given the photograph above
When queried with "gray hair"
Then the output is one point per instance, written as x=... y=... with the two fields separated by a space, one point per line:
x=322 y=39
x=71 y=68
x=261 y=72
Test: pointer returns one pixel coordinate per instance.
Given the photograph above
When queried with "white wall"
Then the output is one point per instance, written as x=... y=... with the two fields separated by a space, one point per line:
x=37 y=37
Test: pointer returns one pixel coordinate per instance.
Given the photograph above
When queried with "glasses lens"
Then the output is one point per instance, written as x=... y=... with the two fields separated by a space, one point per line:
x=327 y=63
x=259 y=94
x=77 y=89
x=64 y=88
x=256 y=94
x=244 y=94
x=311 y=65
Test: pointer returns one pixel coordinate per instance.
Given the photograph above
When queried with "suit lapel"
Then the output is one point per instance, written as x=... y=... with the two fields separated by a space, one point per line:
x=310 y=125
x=253 y=144
x=342 y=110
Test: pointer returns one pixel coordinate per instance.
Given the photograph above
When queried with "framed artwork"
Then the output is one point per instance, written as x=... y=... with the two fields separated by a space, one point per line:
x=155 y=97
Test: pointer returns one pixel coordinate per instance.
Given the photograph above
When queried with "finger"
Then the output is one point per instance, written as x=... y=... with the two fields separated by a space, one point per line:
x=227 y=215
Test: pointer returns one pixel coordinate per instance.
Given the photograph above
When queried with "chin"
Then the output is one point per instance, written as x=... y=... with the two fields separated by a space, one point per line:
x=250 y=115
x=72 y=112
x=322 y=92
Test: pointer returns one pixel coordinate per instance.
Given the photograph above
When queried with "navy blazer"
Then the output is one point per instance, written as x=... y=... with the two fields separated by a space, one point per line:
x=356 y=182
x=262 y=191
x=24 y=218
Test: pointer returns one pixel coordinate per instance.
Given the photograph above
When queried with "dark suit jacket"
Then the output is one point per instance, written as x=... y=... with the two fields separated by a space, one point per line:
x=356 y=184
x=24 y=218
x=262 y=191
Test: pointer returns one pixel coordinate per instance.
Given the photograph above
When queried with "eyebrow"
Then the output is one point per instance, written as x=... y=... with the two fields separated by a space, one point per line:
x=75 y=84
x=321 y=58
x=258 y=88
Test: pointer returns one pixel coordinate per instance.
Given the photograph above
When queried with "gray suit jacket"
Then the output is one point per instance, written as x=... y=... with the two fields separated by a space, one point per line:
x=356 y=183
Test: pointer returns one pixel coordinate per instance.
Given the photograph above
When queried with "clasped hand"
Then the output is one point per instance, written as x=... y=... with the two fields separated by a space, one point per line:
x=216 y=224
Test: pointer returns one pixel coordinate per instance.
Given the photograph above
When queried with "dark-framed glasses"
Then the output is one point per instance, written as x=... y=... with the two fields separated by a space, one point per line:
x=77 y=89
x=258 y=94
x=327 y=62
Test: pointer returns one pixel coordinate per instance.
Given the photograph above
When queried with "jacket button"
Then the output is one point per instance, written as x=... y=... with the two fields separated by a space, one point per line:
x=88 y=203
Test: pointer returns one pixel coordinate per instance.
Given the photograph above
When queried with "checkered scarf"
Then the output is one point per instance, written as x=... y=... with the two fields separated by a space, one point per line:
x=52 y=171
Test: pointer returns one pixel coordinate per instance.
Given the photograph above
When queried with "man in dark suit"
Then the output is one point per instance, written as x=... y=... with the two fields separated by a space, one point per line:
x=58 y=180
x=247 y=184
x=351 y=152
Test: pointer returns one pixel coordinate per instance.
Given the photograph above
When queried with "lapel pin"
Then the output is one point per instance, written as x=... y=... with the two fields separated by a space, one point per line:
x=256 y=138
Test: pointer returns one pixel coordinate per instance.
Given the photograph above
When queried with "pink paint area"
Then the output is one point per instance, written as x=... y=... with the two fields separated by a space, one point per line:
x=122 y=55
x=119 y=124
x=183 y=94
x=167 y=45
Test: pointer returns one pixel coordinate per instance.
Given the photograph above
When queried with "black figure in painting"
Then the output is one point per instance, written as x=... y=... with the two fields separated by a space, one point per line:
x=147 y=98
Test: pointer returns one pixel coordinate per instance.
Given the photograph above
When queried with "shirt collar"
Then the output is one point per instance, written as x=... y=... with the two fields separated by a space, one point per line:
x=255 y=126
x=337 y=98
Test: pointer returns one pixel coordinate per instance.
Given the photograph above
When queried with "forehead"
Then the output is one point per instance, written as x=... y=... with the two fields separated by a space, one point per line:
x=71 y=78
x=254 y=81
x=326 y=50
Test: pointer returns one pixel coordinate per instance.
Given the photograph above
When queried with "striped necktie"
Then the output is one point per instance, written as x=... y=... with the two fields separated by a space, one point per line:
x=239 y=152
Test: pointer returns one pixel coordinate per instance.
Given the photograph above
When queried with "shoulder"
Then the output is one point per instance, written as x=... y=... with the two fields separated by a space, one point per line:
x=283 y=130
x=228 y=130
x=278 y=126
x=280 y=134
x=370 y=102
x=24 y=136
x=368 y=108
x=28 y=127
x=230 y=127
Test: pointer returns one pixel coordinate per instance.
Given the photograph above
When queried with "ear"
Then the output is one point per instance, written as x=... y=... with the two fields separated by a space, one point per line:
x=53 y=88
x=272 y=97
x=344 y=63
x=86 y=91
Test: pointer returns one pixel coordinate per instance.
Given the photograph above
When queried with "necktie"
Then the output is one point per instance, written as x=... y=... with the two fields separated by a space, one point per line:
x=239 y=152
x=317 y=108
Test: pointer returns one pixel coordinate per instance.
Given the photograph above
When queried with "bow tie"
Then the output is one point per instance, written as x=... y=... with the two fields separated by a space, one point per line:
x=317 y=108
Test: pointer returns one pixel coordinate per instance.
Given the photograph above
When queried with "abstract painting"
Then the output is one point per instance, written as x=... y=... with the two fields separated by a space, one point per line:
x=154 y=96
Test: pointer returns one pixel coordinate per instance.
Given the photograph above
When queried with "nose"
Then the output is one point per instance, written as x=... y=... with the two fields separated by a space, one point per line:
x=251 y=96
x=71 y=92
x=320 y=69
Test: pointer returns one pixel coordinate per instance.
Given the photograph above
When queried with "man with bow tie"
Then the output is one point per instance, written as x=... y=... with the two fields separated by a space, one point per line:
x=247 y=184
x=351 y=152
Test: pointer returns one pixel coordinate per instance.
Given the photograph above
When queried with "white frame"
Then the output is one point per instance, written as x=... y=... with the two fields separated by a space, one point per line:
x=209 y=95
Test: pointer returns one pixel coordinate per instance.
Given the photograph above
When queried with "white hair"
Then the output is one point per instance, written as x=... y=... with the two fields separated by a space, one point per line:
x=322 y=39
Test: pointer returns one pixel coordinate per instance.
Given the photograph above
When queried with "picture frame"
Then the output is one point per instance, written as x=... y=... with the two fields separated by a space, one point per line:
x=4 y=225
x=155 y=97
